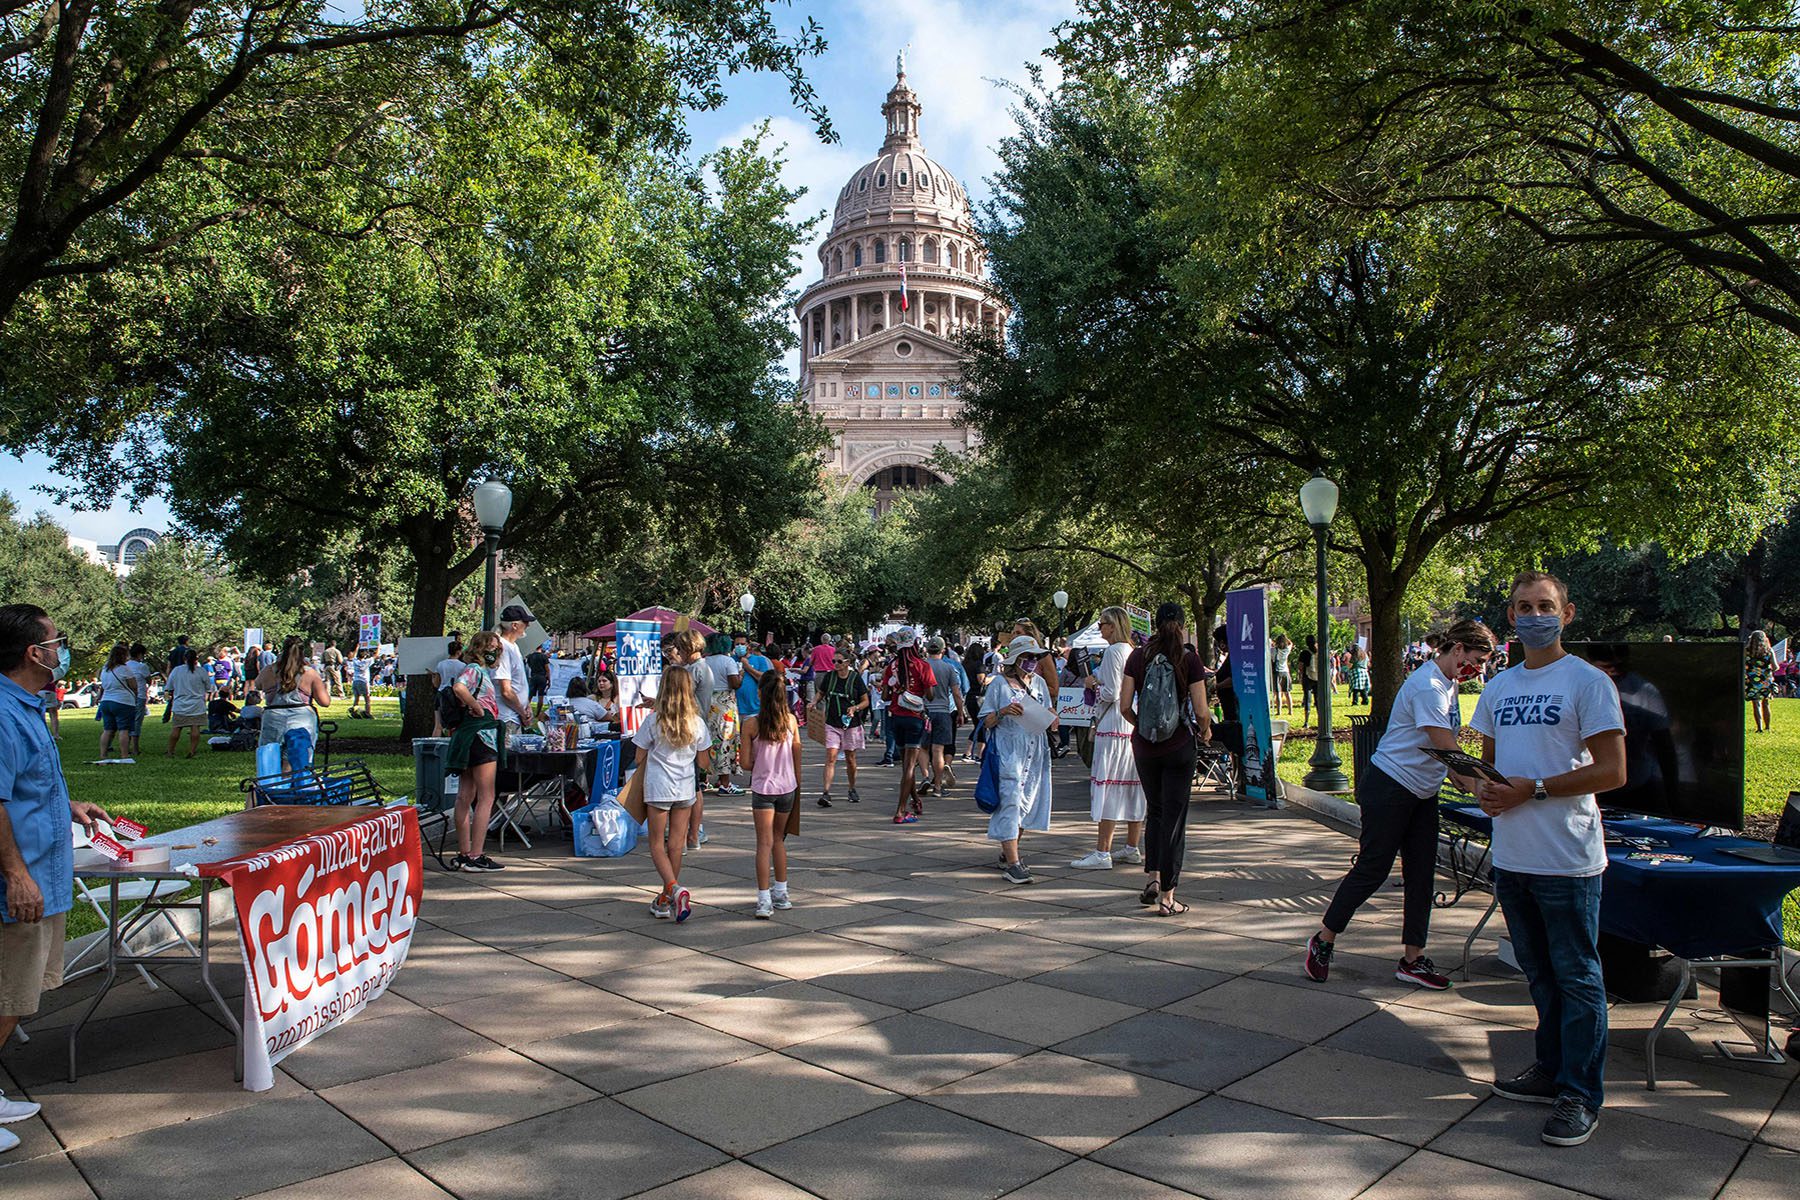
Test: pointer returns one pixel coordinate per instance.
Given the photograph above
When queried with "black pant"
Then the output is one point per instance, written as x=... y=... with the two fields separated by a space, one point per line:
x=1168 y=782
x=1393 y=821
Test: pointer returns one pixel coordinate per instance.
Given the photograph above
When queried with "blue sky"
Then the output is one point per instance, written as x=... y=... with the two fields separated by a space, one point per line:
x=958 y=49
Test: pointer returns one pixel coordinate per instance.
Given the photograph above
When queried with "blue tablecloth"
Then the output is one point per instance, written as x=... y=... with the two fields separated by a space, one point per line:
x=1718 y=904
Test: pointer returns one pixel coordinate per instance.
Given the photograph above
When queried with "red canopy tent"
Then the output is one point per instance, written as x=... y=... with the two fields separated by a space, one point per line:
x=666 y=617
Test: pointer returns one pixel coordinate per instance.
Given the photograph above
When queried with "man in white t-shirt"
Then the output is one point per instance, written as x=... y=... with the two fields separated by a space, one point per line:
x=1553 y=727
x=515 y=691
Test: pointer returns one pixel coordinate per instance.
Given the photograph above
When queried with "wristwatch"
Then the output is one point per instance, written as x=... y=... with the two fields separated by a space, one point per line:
x=1537 y=790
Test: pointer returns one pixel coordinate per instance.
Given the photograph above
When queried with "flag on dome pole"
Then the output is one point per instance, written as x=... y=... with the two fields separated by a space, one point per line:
x=903 y=285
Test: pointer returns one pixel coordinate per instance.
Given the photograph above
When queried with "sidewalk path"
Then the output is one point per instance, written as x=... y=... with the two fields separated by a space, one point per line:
x=914 y=1027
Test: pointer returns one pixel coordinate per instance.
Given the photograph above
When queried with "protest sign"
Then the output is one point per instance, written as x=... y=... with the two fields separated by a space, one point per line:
x=368 y=633
x=1073 y=708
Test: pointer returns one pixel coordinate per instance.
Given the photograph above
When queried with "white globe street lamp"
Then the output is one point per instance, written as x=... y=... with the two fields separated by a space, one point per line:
x=493 y=504
x=1319 y=501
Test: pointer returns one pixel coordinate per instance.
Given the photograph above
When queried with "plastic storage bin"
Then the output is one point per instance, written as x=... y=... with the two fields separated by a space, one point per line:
x=428 y=774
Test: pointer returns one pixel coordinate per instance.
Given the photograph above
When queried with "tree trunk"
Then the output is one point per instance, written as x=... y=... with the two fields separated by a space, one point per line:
x=1387 y=588
x=431 y=595
x=1750 y=616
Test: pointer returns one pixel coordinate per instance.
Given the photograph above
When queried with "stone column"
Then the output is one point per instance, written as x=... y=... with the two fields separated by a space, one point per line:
x=885 y=323
x=855 y=317
x=805 y=338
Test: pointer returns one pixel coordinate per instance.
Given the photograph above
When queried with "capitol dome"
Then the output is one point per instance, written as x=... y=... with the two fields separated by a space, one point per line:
x=881 y=332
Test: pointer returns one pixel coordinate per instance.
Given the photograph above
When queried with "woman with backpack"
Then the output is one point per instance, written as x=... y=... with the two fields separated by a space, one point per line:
x=770 y=750
x=906 y=683
x=1164 y=681
x=1021 y=751
x=469 y=706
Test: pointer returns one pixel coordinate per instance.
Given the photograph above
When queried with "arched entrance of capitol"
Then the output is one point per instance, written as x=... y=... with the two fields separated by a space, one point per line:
x=890 y=483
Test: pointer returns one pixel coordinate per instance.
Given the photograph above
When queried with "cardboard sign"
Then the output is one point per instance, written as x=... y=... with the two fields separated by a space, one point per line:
x=1072 y=707
x=368 y=631
x=562 y=670
x=1141 y=619
x=325 y=922
x=421 y=655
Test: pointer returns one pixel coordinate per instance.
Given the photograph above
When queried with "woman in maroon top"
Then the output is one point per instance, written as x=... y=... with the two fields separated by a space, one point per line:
x=1166 y=768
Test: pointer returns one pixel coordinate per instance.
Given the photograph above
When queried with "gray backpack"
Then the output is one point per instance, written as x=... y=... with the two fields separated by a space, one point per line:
x=1159 y=705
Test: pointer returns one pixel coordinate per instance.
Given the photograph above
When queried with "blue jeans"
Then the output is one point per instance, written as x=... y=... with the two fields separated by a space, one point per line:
x=1554 y=923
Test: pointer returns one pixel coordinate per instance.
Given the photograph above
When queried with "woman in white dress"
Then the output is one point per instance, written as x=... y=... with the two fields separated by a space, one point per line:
x=1116 y=794
x=1022 y=750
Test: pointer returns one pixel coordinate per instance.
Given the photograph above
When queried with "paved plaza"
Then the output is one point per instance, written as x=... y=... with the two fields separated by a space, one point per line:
x=914 y=1027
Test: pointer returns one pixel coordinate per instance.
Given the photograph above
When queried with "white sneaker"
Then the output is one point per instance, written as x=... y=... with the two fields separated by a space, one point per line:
x=1131 y=854
x=781 y=901
x=1094 y=860
x=765 y=908
x=16 y=1110
x=8 y=1140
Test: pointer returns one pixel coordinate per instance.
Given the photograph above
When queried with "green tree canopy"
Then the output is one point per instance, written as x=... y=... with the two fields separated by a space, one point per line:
x=37 y=567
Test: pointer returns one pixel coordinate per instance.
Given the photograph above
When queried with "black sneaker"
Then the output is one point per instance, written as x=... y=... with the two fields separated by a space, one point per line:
x=1571 y=1122
x=1017 y=873
x=1318 y=958
x=854 y=798
x=484 y=863
x=824 y=799
x=459 y=863
x=1530 y=1086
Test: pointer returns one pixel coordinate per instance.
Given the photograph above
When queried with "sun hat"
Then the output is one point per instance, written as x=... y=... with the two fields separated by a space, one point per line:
x=906 y=637
x=1023 y=644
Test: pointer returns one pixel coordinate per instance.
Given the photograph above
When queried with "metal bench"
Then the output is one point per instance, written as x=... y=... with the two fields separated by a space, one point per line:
x=347 y=782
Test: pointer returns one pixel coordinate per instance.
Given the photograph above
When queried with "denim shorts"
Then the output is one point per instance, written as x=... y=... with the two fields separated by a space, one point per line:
x=908 y=729
x=942 y=731
x=116 y=717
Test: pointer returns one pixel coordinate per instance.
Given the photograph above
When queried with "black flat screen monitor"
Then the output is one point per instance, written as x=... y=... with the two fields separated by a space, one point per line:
x=1684 y=727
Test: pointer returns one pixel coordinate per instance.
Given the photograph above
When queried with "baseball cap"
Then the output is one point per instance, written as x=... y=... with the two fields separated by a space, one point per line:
x=516 y=612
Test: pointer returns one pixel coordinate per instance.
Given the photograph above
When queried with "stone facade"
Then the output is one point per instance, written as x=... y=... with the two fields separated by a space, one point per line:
x=886 y=379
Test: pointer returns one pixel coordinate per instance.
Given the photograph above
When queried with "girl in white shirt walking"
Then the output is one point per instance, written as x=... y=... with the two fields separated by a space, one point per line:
x=673 y=744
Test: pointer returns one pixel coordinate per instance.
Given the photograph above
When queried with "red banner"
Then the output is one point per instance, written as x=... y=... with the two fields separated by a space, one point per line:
x=325 y=922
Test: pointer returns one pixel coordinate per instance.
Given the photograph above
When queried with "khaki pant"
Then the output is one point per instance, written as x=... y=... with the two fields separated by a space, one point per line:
x=31 y=963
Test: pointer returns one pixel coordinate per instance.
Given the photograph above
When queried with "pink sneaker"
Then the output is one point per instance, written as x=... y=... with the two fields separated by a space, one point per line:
x=683 y=905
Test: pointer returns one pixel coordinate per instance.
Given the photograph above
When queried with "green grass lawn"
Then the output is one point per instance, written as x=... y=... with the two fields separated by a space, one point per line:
x=168 y=793
x=1771 y=770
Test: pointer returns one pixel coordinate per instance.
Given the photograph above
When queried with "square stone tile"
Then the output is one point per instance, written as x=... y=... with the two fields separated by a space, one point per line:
x=909 y=982
x=1387 y=1099
x=685 y=982
x=1144 y=982
x=908 y=1053
x=1490 y=1001
x=116 y=1043
x=1225 y=1150
x=390 y=1179
x=292 y=1140
x=617 y=1058
x=1718 y=1095
x=808 y=955
x=410 y=1110
x=553 y=1010
x=1030 y=1012
x=1351 y=975
x=1084 y=1180
x=908 y=1150
x=1194 y=1054
x=755 y=1103
x=45 y=1177
x=597 y=954
x=908 y=932
x=787 y=1013
x=1439 y=1043
x=436 y=982
x=111 y=1104
x=711 y=929
x=531 y=928
x=1299 y=1012
x=596 y=1151
x=1009 y=953
x=734 y=1181
x=1765 y=1174
x=363 y=1049
x=1783 y=1126
x=1628 y=1158
x=1428 y=1176
x=1197 y=946
x=1073 y=1104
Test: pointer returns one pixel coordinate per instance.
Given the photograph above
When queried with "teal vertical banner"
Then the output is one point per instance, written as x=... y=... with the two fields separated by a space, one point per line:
x=1247 y=636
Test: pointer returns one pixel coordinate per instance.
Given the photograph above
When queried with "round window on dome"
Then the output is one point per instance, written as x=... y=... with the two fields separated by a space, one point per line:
x=903 y=348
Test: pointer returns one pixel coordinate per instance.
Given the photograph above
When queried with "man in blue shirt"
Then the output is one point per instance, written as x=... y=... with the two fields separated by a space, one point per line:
x=37 y=855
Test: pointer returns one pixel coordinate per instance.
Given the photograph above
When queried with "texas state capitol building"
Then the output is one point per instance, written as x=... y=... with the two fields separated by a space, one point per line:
x=887 y=382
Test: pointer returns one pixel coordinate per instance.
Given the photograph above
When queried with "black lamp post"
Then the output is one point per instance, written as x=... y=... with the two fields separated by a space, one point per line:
x=747 y=602
x=493 y=504
x=1318 y=500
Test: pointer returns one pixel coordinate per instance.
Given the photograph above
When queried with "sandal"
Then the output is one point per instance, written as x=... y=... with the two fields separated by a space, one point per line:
x=904 y=819
x=1151 y=891
x=1168 y=908
x=918 y=807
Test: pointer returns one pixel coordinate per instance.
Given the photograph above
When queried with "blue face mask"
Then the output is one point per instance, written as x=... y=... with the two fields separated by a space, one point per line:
x=1538 y=631
x=62 y=663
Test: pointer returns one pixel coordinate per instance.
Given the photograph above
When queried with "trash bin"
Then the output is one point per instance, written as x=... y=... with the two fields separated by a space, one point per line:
x=1365 y=735
x=428 y=774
